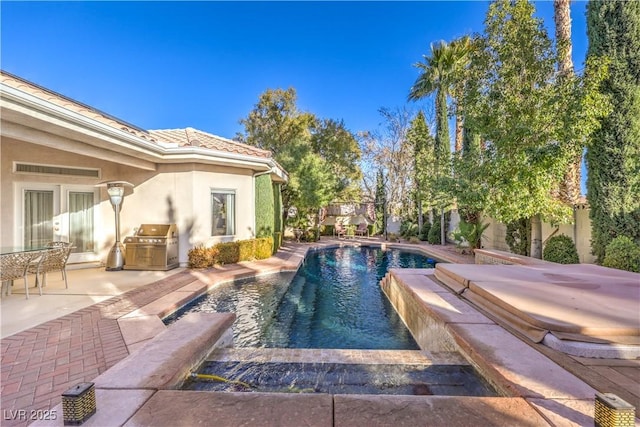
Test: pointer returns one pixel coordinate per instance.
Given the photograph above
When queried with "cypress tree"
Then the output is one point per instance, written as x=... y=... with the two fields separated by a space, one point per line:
x=265 y=215
x=613 y=155
x=380 y=202
x=422 y=144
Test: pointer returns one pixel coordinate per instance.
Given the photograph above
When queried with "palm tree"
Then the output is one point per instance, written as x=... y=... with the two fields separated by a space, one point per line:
x=443 y=73
x=562 y=19
x=570 y=186
x=435 y=77
x=461 y=53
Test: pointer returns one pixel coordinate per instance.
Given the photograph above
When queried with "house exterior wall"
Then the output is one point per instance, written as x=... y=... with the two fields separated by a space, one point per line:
x=181 y=194
x=173 y=193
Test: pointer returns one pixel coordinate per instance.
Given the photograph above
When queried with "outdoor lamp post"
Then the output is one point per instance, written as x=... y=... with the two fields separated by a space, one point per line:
x=115 y=260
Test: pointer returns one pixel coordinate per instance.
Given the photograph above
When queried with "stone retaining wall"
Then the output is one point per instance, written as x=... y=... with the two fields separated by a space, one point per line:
x=494 y=256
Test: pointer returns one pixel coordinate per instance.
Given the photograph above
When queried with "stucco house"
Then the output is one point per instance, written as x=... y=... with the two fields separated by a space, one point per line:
x=55 y=151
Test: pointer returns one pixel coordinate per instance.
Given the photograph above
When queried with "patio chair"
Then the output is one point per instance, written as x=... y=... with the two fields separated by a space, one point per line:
x=15 y=266
x=52 y=260
x=339 y=230
x=362 y=229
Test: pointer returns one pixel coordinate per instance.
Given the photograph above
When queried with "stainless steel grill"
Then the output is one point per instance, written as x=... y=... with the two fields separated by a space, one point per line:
x=153 y=247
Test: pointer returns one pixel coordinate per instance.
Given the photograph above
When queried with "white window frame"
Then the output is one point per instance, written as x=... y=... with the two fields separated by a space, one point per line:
x=61 y=214
x=227 y=192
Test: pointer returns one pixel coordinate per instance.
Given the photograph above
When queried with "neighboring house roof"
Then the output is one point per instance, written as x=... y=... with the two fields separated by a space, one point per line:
x=157 y=145
x=198 y=138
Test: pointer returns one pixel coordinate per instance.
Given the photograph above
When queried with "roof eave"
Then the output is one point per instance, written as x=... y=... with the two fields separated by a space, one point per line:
x=137 y=145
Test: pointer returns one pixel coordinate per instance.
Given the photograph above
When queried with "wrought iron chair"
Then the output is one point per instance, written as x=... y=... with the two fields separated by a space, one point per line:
x=52 y=260
x=16 y=266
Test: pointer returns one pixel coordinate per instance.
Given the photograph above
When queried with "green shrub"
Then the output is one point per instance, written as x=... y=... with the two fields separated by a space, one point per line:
x=393 y=237
x=246 y=250
x=198 y=257
x=201 y=257
x=471 y=233
x=408 y=229
x=424 y=233
x=229 y=252
x=263 y=248
x=518 y=236
x=414 y=240
x=622 y=253
x=327 y=230
x=310 y=235
x=434 y=234
x=561 y=249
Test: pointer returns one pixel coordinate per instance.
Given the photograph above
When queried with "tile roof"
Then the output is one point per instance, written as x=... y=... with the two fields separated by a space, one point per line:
x=197 y=138
x=183 y=137
x=70 y=104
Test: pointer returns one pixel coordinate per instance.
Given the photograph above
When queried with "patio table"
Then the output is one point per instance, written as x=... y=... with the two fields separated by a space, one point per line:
x=7 y=250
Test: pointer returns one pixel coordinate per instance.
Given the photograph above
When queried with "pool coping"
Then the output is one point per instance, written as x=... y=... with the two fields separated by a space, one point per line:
x=140 y=326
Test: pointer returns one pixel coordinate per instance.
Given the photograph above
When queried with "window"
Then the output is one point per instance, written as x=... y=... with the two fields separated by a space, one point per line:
x=81 y=220
x=38 y=217
x=223 y=209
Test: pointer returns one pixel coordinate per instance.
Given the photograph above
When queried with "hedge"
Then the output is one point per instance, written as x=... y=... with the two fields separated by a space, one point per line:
x=434 y=236
x=246 y=250
x=265 y=206
x=231 y=252
x=613 y=152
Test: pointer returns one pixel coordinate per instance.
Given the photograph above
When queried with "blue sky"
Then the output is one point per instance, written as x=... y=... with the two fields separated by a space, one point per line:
x=162 y=65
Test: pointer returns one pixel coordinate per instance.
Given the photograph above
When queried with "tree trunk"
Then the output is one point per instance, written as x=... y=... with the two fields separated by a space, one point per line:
x=443 y=232
x=569 y=190
x=419 y=216
x=384 y=220
x=536 y=237
x=459 y=130
x=562 y=19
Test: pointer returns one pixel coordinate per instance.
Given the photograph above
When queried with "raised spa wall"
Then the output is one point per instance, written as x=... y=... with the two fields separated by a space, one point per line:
x=441 y=321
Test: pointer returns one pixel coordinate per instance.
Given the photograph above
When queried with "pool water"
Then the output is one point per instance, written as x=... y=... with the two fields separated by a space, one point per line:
x=336 y=378
x=333 y=301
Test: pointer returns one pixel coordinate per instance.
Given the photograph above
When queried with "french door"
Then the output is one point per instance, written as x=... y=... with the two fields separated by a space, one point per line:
x=59 y=212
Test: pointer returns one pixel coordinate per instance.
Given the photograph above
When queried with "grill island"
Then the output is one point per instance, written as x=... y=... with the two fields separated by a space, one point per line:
x=153 y=247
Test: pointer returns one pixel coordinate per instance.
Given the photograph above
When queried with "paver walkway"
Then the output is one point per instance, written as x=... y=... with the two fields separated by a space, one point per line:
x=39 y=364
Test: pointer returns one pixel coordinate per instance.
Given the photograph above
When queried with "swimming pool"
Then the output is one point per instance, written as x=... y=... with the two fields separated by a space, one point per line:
x=333 y=301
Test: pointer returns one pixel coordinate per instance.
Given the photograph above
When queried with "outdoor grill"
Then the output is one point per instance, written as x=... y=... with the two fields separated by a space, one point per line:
x=153 y=247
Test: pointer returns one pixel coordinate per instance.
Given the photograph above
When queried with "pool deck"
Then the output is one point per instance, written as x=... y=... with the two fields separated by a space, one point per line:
x=52 y=342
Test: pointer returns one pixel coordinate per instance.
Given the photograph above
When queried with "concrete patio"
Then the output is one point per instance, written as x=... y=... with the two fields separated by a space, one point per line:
x=52 y=342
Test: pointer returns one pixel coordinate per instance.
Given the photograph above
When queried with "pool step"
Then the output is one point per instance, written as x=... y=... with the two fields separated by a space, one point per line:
x=296 y=355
